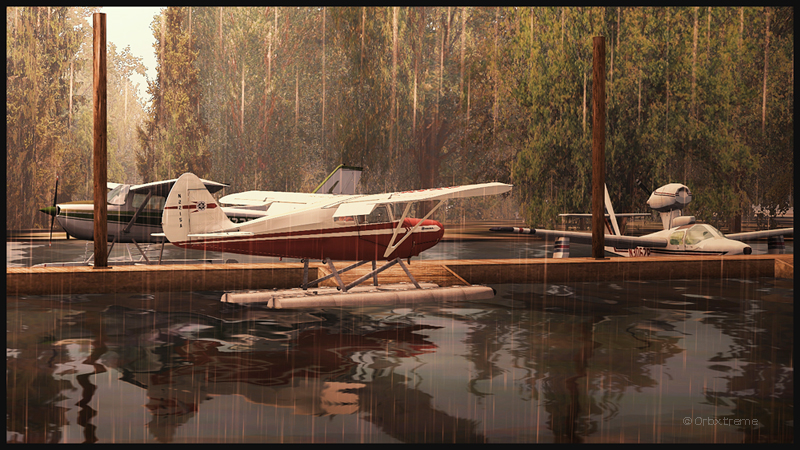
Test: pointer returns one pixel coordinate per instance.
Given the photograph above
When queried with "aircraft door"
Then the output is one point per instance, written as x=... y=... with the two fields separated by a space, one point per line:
x=375 y=236
x=676 y=241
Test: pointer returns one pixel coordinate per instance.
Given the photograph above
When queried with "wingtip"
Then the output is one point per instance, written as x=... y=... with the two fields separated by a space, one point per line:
x=502 y=229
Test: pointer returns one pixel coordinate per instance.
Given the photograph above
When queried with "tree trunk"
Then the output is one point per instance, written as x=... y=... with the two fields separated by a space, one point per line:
x=666 y=113
x=363 y=32
x=766 y=59
x=639 y=119
x=463 y=44
x=694 y=62
x=584 y=102
x=708 y=36
x=496 y=77
x=741 y=27
x=323 y=82
x=242 y=108
x=392 y=106
x=70 y=89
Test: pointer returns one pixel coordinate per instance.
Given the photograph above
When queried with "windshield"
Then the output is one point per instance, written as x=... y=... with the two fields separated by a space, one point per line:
x=118 y=195
x=156 y=202
x=699 y=233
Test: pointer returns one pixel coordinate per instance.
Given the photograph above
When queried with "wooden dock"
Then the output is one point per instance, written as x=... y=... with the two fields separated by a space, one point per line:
x=229 y=277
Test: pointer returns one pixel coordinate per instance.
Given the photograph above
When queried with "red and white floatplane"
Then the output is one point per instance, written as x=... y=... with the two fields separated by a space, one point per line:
x=312 y=226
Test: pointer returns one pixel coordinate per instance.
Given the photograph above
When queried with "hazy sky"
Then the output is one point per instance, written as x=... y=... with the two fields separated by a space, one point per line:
x=130 y=26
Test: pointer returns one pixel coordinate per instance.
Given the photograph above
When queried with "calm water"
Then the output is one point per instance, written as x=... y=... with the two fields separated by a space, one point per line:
x=660 y=361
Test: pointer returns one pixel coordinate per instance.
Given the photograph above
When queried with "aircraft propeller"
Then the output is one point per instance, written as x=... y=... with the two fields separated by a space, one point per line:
x=53 y=218
x=646 y=190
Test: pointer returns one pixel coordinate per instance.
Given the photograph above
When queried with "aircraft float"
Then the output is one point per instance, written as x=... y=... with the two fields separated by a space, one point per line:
x=681 y=235
x=321 y=226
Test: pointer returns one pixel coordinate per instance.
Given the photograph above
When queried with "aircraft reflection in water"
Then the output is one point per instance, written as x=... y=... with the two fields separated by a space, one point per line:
x=540 y=363
x=681 y=236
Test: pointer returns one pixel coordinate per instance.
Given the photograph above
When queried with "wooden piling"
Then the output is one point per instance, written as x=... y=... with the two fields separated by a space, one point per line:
x=598 y=146
x=100 y=138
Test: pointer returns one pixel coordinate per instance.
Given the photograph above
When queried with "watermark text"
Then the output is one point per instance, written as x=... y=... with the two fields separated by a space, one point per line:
x=725 y=421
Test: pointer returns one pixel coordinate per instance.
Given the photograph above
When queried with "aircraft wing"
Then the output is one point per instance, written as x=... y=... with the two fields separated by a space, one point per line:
x=616 y=214
x=163 y=187
x=258 y=198
x=610 y=240
x=753 y=235
x=361 y=205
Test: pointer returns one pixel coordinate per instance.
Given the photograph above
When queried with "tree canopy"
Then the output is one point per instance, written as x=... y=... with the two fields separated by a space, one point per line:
x=273 y=98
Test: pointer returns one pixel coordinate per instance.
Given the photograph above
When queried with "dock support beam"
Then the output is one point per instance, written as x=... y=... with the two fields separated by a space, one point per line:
x=100 y=138
x=598 y=146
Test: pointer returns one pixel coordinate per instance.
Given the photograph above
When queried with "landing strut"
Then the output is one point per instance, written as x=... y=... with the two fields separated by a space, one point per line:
x=344 y=288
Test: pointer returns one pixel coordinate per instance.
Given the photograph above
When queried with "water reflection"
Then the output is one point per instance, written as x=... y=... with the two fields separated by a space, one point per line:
x=584 y=362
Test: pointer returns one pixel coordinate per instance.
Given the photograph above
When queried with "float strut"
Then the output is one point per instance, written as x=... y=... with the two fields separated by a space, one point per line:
x=334 y=273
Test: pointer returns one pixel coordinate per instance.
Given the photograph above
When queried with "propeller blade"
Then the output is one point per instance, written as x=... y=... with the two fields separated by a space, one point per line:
x=644 y=188
x=53 y=219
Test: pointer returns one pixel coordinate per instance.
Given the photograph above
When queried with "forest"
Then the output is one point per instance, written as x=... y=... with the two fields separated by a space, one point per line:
x=273 y=98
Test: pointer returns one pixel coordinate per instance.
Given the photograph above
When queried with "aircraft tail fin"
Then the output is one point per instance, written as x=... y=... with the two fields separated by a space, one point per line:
x=611 y=221
x=190 y=209
x=343 y=180
x=668 y=217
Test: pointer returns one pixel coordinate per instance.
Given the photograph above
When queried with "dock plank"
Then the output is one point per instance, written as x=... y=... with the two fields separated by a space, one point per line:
x=225 y=277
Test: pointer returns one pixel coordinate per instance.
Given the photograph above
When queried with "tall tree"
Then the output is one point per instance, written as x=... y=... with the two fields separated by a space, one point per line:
x=174 y=139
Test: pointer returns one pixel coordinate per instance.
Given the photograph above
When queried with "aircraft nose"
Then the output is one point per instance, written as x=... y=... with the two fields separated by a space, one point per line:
x=437 y=224
x=430 y=231
x=50 y=210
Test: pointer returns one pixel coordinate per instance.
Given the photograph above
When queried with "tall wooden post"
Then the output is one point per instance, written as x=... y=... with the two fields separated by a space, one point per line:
x=598 y=147
x=100 y=138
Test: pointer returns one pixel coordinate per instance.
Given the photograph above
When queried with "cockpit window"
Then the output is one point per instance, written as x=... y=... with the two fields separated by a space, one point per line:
x=156 y=202
x=699 y=233
x=118 y=195
x=378 y=215
x=676 y=238
x=715 y=231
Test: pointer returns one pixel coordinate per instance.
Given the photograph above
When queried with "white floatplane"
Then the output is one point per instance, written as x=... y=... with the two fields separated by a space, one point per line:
x=134 y=211
x=317 y=226
x=681 y=234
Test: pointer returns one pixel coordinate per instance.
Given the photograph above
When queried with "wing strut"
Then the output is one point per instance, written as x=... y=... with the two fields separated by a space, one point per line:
x=392 y=246
x=127 y=228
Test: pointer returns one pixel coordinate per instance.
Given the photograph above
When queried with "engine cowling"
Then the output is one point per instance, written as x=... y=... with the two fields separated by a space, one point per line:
x=683 y=220
x=670 y=197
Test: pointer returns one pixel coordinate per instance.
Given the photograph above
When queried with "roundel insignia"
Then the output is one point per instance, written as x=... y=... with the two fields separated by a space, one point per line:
x=201 y=206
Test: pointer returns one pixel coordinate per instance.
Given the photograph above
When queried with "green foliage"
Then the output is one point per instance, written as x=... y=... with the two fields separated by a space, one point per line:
x=274 y=98
x=174 y=138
